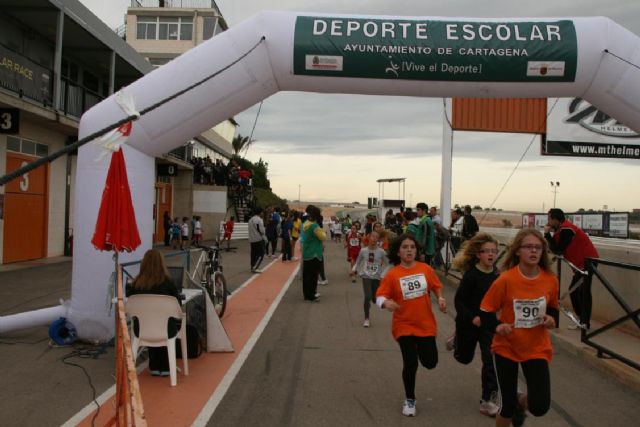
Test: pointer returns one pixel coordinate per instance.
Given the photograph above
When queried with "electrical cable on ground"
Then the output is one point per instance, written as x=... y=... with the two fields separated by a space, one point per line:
x=72 y=147
x=84 y=353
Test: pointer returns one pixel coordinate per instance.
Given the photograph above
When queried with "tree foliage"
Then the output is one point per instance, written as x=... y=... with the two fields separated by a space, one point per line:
x=240 y=143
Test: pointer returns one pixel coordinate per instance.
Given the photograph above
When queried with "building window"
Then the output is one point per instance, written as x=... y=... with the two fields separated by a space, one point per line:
x=25 y=146
x=156 y=62
x=146 y=28
x=208 y=27
x=165 y=28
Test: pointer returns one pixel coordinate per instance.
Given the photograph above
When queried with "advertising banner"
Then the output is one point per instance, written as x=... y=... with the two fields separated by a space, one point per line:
x=578 y=129
x=20 y=74
x=516 y=51
x=605 y=224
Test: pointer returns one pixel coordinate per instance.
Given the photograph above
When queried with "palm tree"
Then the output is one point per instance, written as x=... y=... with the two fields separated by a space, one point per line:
x=240 y=143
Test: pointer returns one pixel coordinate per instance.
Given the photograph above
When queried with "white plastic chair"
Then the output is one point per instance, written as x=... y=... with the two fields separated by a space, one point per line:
x=153 y=312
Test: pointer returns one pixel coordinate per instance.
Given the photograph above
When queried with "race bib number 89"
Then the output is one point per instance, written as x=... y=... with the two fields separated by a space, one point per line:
x=413 y=286
x=529 y=312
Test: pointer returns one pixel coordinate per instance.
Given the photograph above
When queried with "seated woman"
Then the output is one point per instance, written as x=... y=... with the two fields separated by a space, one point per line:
x=154 y=278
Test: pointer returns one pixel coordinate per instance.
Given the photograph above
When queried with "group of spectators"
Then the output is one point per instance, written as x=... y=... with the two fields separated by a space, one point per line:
x=181 y=234
x=207 y=172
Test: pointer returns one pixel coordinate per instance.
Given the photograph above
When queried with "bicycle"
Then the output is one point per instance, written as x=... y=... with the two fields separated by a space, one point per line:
x=211 y=278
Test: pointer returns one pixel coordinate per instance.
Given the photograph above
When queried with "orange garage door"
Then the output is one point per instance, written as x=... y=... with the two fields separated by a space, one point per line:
x=25 y=212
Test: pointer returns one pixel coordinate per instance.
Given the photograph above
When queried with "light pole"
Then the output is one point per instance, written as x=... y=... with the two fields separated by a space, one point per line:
x=554 y=188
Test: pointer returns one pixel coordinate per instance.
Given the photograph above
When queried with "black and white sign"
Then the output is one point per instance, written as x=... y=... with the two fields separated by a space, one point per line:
x=10 y=121
x=578 y=129
x=167 y=170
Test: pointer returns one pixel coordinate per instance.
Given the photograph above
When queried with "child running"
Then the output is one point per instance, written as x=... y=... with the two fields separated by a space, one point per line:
x=526 y=295
x=353 y=243
x=370 y=265
x=476 y=259
x=404 y=291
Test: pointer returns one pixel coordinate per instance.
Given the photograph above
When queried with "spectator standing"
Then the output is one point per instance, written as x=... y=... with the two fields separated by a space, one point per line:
x=428 y=234
x=184 y=242
x=197 y=232
x=166 y=225
x=295 y=232
x=457 y=221
x=257 y=239
x=287 y=227
x=312 y=237
x=469 y=224
x=272 y=234
x=574 y=244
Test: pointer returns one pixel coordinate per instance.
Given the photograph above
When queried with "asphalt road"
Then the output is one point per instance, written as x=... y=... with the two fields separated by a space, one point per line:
x=315 y=365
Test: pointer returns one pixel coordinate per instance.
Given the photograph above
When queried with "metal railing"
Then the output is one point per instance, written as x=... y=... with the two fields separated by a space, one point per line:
x=591 y=269
x=177 y=4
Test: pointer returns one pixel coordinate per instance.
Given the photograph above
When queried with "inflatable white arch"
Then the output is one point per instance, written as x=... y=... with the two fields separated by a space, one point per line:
x=590 y=58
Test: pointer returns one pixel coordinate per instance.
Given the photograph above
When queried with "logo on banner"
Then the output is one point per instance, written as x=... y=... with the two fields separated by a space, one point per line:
x=323 y=62
x=545 y=69
x=594 y=120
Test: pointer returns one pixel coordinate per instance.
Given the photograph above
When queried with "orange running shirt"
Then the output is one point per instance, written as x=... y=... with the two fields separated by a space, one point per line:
x=513 y=292
x=405 y=286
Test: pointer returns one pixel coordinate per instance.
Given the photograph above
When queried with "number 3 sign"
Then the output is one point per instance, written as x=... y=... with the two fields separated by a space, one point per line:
x=9 y=120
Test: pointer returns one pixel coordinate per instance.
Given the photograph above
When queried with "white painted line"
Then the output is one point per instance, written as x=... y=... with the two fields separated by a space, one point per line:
x=90 y=408
x=210 y=407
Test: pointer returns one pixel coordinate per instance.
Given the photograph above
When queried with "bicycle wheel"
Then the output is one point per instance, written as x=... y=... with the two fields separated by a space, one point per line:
x=216 y=287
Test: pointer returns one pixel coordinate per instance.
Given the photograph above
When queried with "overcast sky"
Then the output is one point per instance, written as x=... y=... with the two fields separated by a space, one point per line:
x=335 y=147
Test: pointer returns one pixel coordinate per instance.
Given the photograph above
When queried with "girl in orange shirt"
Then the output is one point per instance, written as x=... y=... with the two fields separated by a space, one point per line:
x=404 y=291
x=526 y=295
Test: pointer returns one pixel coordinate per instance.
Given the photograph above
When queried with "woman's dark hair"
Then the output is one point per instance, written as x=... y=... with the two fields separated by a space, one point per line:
x=313 y=212
x=394 y=247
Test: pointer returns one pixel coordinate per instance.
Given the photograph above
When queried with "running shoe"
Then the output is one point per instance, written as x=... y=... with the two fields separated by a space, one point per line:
x=409 y=408
x=488 y=408
x=317 y=295
x=519 y=415
x=323 y=282
x=256 y=270
x=366 y=323
x=450 y=343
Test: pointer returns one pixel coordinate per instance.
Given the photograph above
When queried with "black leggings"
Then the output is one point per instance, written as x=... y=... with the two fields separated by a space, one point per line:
x=414 y=348
x=536 y=374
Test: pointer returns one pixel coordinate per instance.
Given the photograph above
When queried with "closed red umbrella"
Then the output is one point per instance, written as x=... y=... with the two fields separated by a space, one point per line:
x=116 y=227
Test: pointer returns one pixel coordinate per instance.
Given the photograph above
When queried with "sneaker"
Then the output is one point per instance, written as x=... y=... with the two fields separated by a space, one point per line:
x=323 y=282
x=409 y=408
x=317 y=295
x=294 y=258
x=488 y=408
x=155 y=373
x=572 y=326
x=366 y=323
x=353 y=280
x=519 y=415
x=450 y=343
x=256 y=270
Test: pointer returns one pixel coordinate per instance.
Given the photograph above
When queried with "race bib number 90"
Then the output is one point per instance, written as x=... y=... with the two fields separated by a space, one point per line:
x=413 y=286
x=529 y=313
